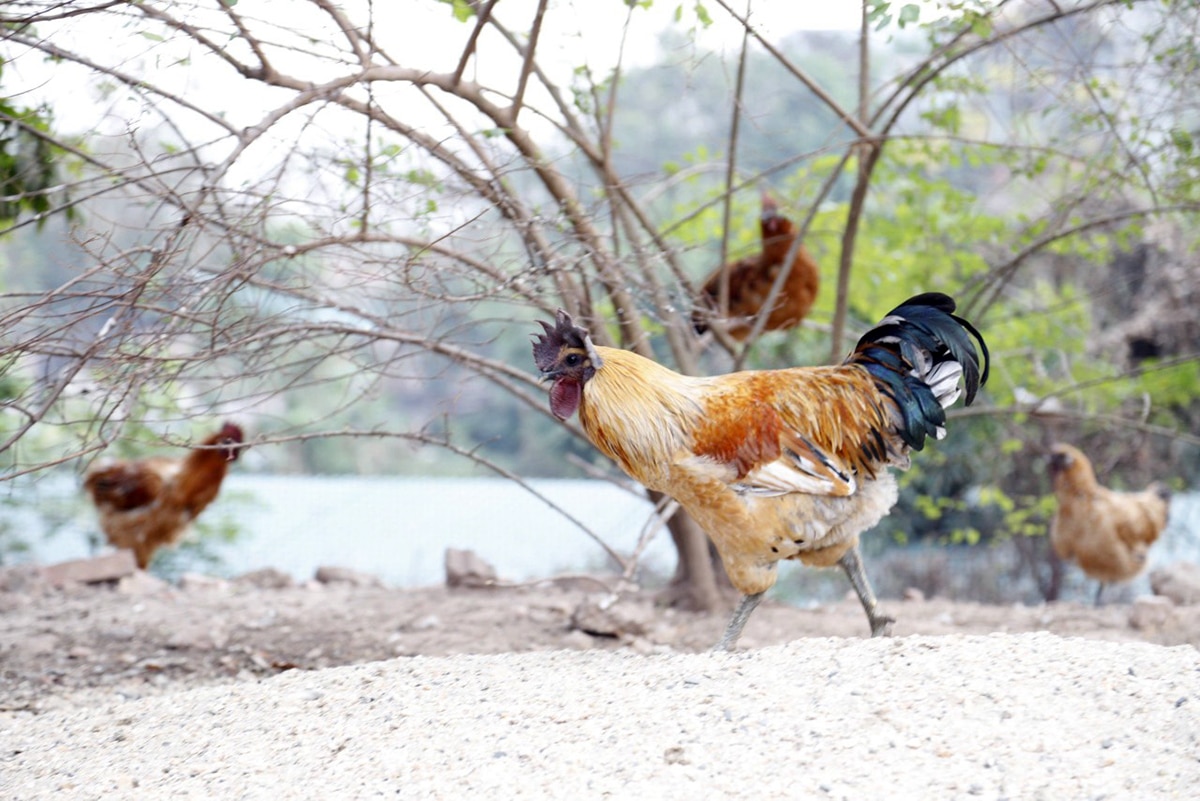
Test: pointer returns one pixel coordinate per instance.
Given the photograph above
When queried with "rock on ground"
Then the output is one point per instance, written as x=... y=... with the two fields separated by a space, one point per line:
x=1179 y=581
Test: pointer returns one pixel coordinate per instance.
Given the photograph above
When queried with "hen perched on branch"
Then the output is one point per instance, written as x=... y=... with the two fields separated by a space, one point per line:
x=1107 y=533
x=774 y=464
x=144 y=504
x=751 y=279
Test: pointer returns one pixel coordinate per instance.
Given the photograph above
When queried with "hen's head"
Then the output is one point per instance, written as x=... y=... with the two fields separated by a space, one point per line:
x=1068 y=465
x=773 y=223
x=565 y=355
x=230 y=437
x=1062 y=456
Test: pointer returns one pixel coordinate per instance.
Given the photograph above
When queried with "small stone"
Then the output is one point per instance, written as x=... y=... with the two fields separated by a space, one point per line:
x=142 y=583
x=109 y=567
x=675 y=756
x=1179 y=581
x=1151 y=612
x=199 y=581
x=576 y=640
x=344 y=575
x=198 y=637
x=467 y=569
x=641 y=645
x=268 y=578
x=607 y=616
x=425 y=623
x=21 y=578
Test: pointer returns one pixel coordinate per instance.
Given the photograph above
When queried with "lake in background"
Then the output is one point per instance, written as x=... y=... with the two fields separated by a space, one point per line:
x=399 y=528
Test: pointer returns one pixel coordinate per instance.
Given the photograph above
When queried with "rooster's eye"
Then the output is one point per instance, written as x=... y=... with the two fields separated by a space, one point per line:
x=573 y=360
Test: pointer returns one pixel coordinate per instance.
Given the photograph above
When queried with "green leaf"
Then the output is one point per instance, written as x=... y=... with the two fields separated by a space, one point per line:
x=1011 y=446
x=461 y=9
x=879 y=11
x=1182 y=140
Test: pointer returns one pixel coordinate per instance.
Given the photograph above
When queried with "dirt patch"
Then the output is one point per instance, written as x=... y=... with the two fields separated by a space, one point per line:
x=84 y=644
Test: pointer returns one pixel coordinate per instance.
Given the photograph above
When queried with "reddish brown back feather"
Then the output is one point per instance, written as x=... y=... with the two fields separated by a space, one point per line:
x=739 y=431
x=831 y=413
x=124 y=486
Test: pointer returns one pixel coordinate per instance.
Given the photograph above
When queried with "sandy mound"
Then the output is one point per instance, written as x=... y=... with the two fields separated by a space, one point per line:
x=259 y=688
x=1016 y=716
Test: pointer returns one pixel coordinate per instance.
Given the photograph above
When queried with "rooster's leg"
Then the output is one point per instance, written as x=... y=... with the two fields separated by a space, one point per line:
x=851 y=562
x=738 y=622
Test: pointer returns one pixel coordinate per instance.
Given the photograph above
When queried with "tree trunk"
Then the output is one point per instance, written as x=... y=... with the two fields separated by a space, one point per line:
x=1054 y=585
x=1043 y=564
x=699 y=581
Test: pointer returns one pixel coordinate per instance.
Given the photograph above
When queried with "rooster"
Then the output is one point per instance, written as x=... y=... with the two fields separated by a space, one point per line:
x=751 y=279
x=1107 y=533
x=147 y=503
x=774 y=464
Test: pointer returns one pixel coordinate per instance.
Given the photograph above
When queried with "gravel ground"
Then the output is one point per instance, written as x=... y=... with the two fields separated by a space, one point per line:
x=1022 y=716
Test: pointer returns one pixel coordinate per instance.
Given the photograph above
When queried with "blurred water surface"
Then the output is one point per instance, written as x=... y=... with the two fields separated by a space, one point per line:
x=395 y=528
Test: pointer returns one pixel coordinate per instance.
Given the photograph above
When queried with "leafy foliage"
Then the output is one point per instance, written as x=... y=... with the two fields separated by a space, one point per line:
x=29 y=174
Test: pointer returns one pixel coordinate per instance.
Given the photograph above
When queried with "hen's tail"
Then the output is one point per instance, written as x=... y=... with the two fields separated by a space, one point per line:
x=916 y=354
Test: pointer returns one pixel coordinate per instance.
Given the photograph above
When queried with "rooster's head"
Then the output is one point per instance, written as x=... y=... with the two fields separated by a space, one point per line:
x=565 y=355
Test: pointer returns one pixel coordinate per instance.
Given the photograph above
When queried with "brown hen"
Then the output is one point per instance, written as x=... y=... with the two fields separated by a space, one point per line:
x=144 y=504
x=751 y=279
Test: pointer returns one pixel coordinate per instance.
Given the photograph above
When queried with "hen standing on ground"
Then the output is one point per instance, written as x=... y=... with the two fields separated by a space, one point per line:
x=1107 y=533
x=147 y=503
x=751 y=279
x=774 y=464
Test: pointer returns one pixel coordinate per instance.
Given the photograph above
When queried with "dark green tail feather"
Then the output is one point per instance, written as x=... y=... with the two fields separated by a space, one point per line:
x=889 y=352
